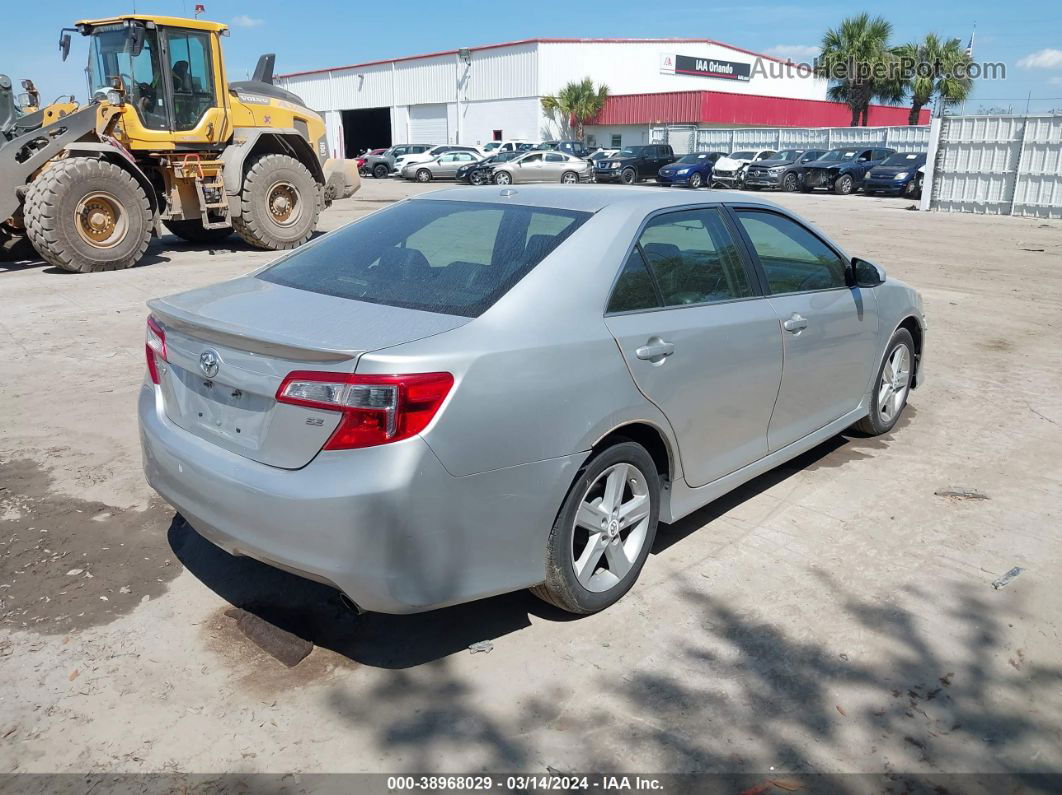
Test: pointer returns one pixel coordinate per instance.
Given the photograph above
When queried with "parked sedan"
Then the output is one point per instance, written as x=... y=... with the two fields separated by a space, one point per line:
x=729 y=171
x=692 y=170
x=899 y=174
x=783 y=171
x=842 y=170
x=444 y=166
x=383 y=164
x=474 y=391
x=543 y=166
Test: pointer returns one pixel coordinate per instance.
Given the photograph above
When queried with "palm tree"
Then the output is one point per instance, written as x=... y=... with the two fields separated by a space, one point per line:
x=937 y=68
x=857 y=57
x=577 y=103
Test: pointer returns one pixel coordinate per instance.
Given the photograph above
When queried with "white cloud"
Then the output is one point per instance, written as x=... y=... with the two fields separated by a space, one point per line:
x=244 y=21
x=793 y=52
x=1048 y=58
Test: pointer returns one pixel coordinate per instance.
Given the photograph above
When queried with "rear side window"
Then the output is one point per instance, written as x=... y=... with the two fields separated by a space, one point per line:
x=689 y=257
x=793 y=259
x=455 y=258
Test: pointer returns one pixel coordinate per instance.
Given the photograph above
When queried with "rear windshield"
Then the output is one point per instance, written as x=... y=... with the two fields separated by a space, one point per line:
x=451 y=257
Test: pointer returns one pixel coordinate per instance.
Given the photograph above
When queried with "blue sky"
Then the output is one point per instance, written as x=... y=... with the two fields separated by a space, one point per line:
x=307 y=34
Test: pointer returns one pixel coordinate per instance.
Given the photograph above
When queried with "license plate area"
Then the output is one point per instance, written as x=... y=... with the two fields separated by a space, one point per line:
x=211 y=408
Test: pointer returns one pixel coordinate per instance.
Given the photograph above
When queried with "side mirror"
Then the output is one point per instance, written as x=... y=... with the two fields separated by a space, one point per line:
x=867 y=274
x=136 y=40
x=64 y=45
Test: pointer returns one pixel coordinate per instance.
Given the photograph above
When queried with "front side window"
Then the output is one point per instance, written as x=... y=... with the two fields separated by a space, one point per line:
x=450 y=257
x=532 y=159
x=793 y=259
x=191 y=75
x=111 y=63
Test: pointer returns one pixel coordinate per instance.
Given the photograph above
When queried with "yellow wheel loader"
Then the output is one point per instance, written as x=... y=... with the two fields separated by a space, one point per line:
x=165 y=139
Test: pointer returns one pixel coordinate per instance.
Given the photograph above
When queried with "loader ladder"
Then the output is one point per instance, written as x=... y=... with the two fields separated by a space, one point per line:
x=209 y=180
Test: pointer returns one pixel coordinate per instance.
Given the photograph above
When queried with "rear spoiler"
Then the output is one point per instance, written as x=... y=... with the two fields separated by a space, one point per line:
x=217 y=331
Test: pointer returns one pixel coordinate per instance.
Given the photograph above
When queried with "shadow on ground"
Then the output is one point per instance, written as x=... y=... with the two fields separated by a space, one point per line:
x=314 y=612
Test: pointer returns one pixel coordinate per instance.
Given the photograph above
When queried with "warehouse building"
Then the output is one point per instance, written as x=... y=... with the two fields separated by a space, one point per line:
x=478 y=94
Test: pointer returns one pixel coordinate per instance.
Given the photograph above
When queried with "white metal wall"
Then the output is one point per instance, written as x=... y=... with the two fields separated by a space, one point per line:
x=906 y=139
x=633 y=67
x=996 y=165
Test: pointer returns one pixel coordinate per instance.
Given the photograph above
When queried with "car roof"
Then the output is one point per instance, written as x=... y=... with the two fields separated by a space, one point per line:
x=589 y=198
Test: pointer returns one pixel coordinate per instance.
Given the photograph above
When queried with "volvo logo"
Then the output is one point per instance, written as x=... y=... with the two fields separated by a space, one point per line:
x=209 y=362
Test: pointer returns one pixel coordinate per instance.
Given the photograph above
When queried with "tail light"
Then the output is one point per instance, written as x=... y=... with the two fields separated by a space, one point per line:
x=154 y=347
x=376 y=409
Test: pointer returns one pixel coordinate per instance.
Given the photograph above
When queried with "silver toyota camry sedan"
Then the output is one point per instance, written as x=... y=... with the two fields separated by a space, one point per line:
x=481 y=390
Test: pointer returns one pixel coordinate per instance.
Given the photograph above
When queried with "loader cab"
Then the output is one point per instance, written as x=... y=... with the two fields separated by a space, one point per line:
x=170 y=78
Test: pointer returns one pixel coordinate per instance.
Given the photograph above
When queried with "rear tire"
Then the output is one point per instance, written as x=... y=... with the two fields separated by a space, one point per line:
x=279 y=204
x=891 y=387
x=380 y=171
x=503 y=178
x=569 y=178
x=590 y=568
x=84 y=214
x=193 y=232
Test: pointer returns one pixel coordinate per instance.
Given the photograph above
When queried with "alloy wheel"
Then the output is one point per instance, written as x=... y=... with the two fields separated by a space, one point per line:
x=611 y=526
x=895 y=382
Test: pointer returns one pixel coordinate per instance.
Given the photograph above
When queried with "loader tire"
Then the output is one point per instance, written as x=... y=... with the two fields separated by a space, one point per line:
x=279 y=205
x=194 y=232
x=84 y=214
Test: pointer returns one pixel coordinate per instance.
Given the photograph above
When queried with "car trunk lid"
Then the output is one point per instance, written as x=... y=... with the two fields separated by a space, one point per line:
x=229 y=347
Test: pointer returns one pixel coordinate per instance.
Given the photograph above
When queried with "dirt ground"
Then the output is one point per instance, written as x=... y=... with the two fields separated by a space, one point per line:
x=837 y=615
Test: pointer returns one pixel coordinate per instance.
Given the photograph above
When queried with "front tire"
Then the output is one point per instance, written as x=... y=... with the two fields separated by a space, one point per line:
x=279 y=204
x=892 y=386
x=84 y=214
x=844 y=185
x=423 y=175
x=503 y=178
x=193 y=232
x=629 y=176
x=790 y=183
x=696 y=180
x=477 y=178
x=603 y=532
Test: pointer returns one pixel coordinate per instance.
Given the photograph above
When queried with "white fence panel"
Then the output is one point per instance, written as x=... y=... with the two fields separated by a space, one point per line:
x=906 y=139
x=997 y=165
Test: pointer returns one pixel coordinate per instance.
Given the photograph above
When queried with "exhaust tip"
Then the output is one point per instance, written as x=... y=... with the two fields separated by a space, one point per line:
x=350 y=604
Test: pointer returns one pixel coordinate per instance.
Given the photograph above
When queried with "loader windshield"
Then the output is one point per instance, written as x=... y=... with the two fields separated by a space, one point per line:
x=110 y=57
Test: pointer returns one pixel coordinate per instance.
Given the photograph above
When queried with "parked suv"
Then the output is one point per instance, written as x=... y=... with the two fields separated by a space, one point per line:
x=783 y=171
x=634 y=163
x=382 y=164
x=843 y=170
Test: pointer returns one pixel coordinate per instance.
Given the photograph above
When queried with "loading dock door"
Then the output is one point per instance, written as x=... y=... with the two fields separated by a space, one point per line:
x=427 y=124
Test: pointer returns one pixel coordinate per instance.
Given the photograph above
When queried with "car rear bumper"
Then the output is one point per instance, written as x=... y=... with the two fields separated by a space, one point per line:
x=388 y=525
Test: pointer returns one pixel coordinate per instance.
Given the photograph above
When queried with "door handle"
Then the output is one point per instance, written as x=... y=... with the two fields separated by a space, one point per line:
x=795 y=324
x=655 y=348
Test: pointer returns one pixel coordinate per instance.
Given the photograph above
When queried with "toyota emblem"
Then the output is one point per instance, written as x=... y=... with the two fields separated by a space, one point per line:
x=209 y=362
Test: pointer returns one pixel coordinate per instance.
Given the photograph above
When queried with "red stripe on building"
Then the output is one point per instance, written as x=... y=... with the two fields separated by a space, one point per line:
x=743 y=110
